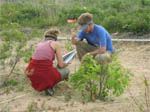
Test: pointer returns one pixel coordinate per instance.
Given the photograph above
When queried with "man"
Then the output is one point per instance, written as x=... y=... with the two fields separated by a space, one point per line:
x=99 y=43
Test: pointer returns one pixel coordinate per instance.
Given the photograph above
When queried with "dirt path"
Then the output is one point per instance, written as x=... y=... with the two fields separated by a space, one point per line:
x=132 y=56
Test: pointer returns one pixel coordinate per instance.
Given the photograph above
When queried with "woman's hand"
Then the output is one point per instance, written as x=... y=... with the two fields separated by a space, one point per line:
x=66 y=64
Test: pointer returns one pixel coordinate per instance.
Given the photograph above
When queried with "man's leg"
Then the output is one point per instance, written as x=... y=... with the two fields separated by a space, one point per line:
x=104 y=58
x=83 y=48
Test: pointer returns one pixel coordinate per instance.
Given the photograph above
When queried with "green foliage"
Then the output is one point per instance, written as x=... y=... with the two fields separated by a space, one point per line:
x=113 y=23
x=137 y=21
x=25 y=14
x=69 y=46
x=5 y=50
x=32 y=107
x=86 y=78
x=101 y=80
x=74 y=13
x=115 y=15
x=11 y=83
x=119 y=5
x=118 y=78
x=13 y=46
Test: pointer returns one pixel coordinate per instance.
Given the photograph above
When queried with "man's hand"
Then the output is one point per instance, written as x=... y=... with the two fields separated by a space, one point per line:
x=83 y=58
x=74 y=37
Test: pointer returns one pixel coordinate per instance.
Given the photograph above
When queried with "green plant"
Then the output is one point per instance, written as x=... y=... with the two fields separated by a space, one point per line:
x=113 y=23
x=98 y=81
x=85 y=79
x=32 y=107
x=25 y=14
x=68 y=46
x=11 y=83
x=138 y=21
x=13 y=48
x=143 y=105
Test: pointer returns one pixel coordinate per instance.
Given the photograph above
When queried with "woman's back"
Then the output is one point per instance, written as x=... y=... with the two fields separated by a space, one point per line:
x=44 y=51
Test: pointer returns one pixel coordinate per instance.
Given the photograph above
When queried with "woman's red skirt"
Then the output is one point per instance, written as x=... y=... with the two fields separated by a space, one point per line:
x=42 y=74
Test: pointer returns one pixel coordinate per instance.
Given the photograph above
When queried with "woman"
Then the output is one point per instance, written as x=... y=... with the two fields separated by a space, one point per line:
x=40 y=70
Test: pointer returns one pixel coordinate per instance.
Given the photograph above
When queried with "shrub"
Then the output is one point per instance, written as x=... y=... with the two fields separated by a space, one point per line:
x=137 y=21
x=25 y=14
x=98 y=81
x=75 y=12
x=113 y=23
x=13 y=45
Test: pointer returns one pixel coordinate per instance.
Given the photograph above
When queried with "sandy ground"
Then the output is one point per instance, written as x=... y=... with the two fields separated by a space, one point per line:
x=133 y=56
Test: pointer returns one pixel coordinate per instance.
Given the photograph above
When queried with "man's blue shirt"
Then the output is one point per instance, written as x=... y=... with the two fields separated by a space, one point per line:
x=98 y=37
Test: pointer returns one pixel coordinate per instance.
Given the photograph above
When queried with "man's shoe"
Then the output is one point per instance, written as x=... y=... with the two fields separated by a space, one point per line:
x=50 y=91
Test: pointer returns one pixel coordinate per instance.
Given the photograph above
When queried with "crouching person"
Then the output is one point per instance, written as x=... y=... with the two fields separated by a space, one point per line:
x=40 y=70
x=99 y=43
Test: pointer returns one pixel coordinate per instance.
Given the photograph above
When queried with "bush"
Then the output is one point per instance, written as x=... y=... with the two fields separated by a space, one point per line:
x=25 y=14
x=113 y=23
x=75 y=12
x=98 y=81
x=137 y=21
x=114 y=15
x=13 y=46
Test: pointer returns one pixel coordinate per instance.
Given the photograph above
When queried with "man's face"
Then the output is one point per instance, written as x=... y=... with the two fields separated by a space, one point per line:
x=88 y=29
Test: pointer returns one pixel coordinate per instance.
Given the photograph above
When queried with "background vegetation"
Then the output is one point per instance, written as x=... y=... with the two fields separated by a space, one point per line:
x=114 y=15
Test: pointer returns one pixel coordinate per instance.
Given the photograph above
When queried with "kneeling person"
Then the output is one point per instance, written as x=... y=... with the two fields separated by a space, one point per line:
x=99 y=41
x=40 y=70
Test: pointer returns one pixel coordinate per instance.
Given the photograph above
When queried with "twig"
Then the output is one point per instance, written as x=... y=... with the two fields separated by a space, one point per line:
x=12 y=99
x=133 y=98
x=146 y=93
x=16 y=60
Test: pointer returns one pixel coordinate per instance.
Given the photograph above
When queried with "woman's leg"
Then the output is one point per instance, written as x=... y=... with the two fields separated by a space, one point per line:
x=64 y=72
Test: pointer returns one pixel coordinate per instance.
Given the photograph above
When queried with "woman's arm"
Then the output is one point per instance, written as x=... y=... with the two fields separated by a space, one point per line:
x=59 y=55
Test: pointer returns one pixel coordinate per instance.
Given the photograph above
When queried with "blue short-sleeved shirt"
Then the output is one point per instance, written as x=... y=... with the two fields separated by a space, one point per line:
x=98 y=37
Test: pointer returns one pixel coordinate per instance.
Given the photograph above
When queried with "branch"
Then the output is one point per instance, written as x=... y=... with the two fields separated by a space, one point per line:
x=12 y=99
x=135 y=101
x=16 y=60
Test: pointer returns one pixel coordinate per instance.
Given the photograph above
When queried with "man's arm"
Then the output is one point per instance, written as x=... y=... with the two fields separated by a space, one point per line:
x=75 y=40
x=100 y=50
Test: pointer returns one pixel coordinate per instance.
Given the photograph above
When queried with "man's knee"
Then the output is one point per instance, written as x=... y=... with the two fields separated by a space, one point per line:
x=103 y=58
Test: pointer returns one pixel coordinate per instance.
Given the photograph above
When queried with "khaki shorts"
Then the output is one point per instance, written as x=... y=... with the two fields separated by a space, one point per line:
x=64 y=72
x=83 y=48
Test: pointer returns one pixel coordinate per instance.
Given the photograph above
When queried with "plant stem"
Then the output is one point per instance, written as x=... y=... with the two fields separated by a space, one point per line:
x=16 y=61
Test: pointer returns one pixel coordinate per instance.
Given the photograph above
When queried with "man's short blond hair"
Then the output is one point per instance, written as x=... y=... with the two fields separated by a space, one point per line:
x=85 y=18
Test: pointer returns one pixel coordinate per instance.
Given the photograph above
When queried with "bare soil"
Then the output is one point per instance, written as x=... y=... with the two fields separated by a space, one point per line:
x=133 y=56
